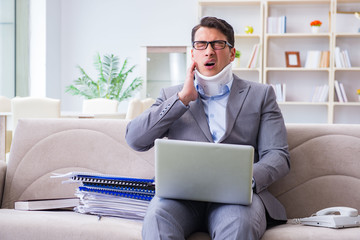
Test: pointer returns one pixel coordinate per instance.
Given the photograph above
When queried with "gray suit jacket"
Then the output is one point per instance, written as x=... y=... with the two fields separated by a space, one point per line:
x=252 y=118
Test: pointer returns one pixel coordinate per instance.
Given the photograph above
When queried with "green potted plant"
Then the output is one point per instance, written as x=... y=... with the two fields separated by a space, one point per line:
x=110 y=83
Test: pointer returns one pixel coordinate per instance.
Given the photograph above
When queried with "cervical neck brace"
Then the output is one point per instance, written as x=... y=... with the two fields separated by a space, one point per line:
x=214 y=85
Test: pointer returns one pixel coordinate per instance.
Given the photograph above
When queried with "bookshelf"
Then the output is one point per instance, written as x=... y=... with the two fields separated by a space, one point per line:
x=346 y=36
x=340 y=28
x=302 y=103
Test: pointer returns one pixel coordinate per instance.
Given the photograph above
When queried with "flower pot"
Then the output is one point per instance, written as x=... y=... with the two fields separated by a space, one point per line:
x=315 y=29
x=359 y=97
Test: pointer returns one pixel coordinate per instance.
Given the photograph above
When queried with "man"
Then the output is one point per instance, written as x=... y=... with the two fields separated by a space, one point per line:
x=216 y=107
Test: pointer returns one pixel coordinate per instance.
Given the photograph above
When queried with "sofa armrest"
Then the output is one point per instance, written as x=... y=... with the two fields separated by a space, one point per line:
x=2 y=179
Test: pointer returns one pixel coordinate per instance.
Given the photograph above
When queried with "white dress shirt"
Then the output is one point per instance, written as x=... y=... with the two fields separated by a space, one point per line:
x=215 y=110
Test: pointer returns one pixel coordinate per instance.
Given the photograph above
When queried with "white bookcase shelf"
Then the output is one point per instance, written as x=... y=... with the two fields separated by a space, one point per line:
x=297 y=35
x=304 y=103
x=347 y=104
x=247 y=69
x=258 y=36
x=297 y=69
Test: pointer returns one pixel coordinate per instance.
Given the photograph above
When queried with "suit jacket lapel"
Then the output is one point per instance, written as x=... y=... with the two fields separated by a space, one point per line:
x=238 y=93
x=197 y=110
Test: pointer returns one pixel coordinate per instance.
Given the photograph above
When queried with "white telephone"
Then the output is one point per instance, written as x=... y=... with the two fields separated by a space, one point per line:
x=334 y=217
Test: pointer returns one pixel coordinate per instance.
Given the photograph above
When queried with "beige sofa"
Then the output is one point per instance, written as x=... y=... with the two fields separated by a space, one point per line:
x=325 y=172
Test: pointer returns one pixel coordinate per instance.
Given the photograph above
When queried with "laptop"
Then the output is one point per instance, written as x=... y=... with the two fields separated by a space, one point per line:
x=203 y=171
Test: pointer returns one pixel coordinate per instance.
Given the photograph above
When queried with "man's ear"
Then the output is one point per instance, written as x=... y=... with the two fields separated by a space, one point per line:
x=192 y=54
x=232 y=54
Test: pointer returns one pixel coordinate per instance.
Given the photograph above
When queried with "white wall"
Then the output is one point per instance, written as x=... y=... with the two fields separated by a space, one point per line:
x=7 y=48
x=53 y=49
x=38 y=43
x=78 y=29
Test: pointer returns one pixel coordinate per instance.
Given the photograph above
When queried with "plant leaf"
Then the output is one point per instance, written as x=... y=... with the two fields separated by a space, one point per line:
x=135 y=84
x=110 y=80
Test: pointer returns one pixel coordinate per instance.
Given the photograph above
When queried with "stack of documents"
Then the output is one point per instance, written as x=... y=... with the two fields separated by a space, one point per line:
x=109 y=195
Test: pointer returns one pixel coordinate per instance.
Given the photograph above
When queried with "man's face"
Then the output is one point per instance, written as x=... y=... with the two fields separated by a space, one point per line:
x=210 y=62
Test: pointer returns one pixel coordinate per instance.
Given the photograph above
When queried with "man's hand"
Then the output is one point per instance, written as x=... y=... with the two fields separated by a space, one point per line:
x=189 y=93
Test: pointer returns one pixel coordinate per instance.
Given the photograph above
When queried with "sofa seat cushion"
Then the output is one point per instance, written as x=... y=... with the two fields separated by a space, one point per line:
x=300 y=232
x=60 y=225
x=45 y=225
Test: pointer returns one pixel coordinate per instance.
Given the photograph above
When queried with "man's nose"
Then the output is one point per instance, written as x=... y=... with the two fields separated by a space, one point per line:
x=209 y=50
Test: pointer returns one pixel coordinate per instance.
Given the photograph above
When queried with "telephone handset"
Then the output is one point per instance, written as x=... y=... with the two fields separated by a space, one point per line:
x=343 y=211
x=334 y=217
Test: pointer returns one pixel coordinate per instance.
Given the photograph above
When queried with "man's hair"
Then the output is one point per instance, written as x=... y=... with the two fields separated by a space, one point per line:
x=219 y=24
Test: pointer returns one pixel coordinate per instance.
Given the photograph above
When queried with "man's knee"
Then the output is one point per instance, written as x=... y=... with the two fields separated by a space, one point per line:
x=160 y=211
x=171 y=218
x=238 y=228
x=237 y=222
x=159 y=222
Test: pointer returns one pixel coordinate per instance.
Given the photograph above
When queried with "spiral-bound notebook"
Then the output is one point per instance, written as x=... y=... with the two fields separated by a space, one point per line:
x=136 y=188
x=202 y=171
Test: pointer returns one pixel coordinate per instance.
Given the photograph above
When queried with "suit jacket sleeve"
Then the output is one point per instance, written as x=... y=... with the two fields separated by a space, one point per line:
x=272 y=144
x=154 y=123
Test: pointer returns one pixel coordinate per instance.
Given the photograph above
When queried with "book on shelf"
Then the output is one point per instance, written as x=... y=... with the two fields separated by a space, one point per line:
x=255 y=56
x=325 y=59
x=317 y=59
x=342 y=59
x=321 y=93
x=343 y=93
x=46 y=204
x=280 y=91
x=276 y=24
x=340 y=92
x=111 y=195
x=345 y=55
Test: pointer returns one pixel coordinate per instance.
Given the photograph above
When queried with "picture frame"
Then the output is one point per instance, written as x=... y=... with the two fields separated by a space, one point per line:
x=292 y=59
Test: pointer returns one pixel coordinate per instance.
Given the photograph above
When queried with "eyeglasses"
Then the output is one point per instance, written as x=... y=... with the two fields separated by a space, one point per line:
x=216 y=45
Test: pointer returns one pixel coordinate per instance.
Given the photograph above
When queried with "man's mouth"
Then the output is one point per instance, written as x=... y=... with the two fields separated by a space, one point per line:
x=210 y=64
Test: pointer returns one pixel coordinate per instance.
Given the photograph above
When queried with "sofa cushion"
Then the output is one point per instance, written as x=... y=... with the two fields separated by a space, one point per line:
x=45 y=225
x=45 y=146
x=325 y=169
x=59 y=225
x=300 y=232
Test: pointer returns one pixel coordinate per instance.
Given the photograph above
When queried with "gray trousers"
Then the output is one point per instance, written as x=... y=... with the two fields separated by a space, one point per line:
x=178 y=219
